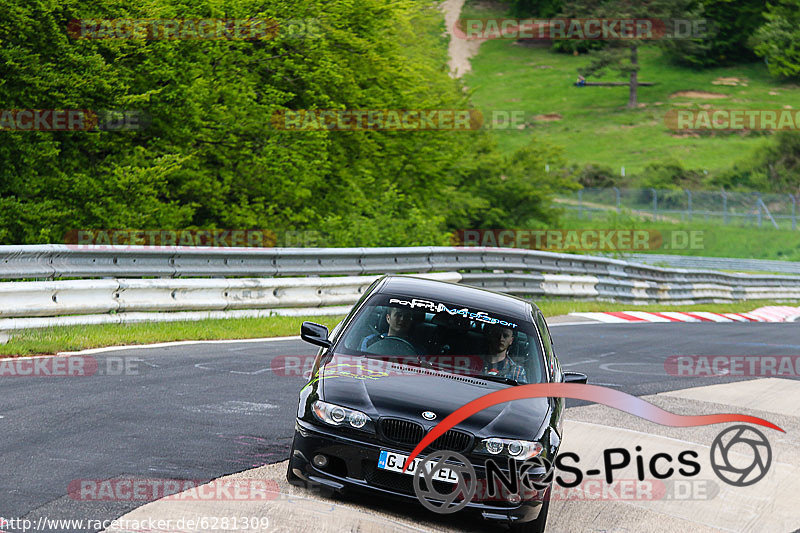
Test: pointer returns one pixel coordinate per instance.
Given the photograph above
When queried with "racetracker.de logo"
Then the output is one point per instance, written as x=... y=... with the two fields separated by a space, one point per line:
x=69 y=366
x=72 y=120
x=733 y=365
x=374 y=367
x=732 y=119
x=602 y=29
x=377 y=119
x=563 y=240
x=146 y=490
x=250 y=29
x=167 y=238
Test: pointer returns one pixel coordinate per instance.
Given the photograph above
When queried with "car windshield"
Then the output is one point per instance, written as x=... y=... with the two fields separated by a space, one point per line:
x=445 y=336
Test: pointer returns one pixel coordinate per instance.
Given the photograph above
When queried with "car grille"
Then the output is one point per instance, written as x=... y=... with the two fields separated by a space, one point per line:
x=454 y=440
x=402 y=431
x=406 y=433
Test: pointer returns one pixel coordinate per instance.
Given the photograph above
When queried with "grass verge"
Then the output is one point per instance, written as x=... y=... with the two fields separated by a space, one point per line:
x=594 y=125
x=713 y=240
x=73 y=338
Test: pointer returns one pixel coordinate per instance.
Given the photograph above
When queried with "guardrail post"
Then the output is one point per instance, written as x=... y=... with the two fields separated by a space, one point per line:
x=689 y=197
x=580 y=204
x=655 y=204
x=724 y=207
x=759 y=202
x=619 y=203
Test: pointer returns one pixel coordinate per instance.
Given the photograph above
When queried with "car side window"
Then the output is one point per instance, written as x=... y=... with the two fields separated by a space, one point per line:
x=553 y=367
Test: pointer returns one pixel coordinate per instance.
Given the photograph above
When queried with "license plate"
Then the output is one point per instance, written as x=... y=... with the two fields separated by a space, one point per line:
x=394 y=462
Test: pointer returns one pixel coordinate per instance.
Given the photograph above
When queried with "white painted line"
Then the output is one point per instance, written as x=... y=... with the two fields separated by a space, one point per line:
x=580 y=362
x=176 y=343
x=147 y=346
x=232 y=408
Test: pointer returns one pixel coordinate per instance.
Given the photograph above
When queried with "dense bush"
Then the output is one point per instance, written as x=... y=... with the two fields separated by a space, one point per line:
x=209 y=158
x=773 y=168
x=602 y=176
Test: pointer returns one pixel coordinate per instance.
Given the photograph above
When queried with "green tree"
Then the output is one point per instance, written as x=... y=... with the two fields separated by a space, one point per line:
x=728 y=26
x=623 y=55
x=536 y=8
x=778 y=39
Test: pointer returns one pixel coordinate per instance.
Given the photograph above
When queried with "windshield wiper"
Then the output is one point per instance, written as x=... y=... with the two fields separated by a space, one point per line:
x=498 y=379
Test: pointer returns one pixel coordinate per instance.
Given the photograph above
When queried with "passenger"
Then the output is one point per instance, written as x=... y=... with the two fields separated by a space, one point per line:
x=498 y=362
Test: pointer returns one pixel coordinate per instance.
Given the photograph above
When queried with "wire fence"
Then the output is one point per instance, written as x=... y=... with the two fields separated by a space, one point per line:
x=681 y=205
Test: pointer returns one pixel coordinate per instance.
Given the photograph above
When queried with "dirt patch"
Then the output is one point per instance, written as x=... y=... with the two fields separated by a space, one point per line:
x=698 y=94
x=733 y=82
x=459 y=50
x=549 y=117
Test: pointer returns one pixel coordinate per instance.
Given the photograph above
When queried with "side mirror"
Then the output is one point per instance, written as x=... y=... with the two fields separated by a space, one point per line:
x=315 y=334
x=575 y=377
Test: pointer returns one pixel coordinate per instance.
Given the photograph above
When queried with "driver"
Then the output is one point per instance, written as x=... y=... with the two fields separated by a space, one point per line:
x=498 y=362
x=400 y=322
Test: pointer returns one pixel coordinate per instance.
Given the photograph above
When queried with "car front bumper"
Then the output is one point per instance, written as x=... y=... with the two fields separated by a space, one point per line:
x=352 y=465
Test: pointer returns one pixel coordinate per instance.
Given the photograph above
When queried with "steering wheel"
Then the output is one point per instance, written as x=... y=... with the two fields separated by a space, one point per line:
x=393 y=346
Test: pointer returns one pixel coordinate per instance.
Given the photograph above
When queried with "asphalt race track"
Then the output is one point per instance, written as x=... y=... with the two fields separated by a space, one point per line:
x=201 y=411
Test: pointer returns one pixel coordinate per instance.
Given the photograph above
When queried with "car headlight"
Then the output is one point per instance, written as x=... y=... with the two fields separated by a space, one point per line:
x=336 y=415
x=514 y=448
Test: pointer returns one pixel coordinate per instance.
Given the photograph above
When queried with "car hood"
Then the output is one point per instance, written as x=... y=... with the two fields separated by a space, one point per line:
x=404 y=391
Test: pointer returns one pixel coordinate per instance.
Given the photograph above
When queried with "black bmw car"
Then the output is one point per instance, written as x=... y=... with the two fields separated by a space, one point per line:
x=411 y=352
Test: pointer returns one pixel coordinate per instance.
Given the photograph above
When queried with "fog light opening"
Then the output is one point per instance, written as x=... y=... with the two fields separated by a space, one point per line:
x=320 y=461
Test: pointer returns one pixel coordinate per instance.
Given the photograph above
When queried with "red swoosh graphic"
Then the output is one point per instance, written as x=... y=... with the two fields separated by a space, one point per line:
x=579 y=391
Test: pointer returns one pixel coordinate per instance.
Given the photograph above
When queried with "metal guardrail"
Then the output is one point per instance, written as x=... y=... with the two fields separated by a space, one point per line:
x=57 y=261
x=198 y=280
x=717 y=263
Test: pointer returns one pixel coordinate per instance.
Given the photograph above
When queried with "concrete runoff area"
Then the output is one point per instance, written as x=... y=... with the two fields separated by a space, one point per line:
x=699 y=503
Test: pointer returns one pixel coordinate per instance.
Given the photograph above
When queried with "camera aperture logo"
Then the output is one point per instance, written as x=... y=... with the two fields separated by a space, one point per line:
x=735 y=471
x=445 y=502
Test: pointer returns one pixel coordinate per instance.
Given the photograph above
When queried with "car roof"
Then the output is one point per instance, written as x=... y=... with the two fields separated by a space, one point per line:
x=455 y=293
